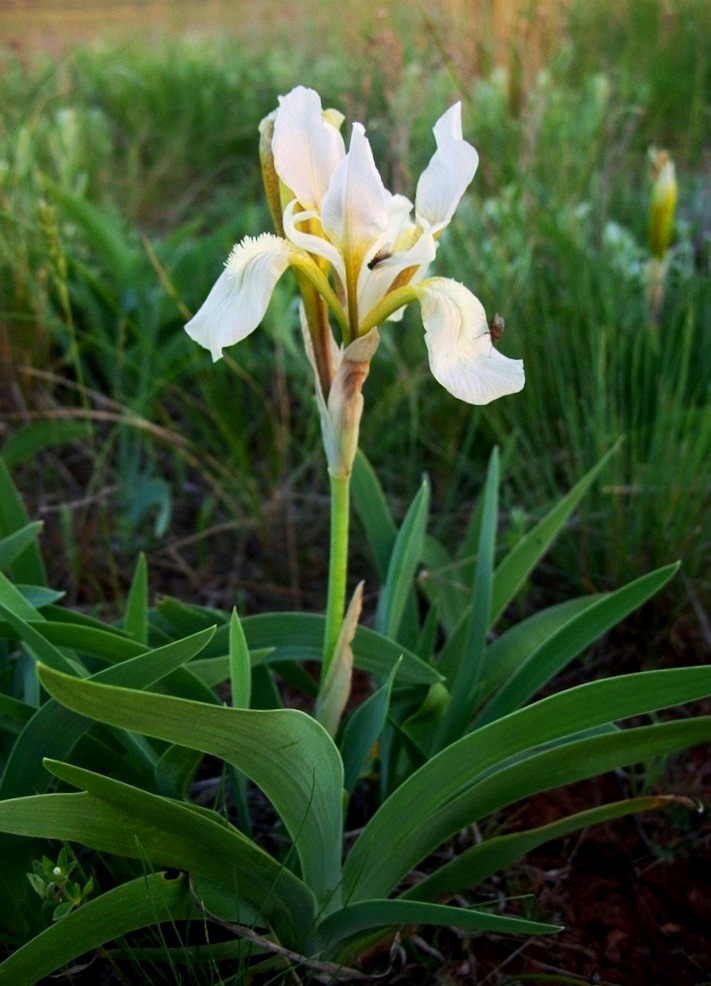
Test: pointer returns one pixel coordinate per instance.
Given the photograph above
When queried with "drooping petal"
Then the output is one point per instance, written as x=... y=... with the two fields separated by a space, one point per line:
x=446 y=177
x=239 y=298
x=354 y=212
x=461 y=354
x=307 y=146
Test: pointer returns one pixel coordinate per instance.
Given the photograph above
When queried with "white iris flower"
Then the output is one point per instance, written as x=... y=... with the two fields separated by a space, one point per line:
x=359 y=247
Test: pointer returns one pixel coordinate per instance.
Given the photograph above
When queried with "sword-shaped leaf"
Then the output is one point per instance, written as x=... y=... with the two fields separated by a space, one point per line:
x=151 y=899
x=285 y=752
x=449 y=791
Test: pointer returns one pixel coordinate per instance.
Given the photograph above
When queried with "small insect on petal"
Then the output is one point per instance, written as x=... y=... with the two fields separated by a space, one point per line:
x=496 y=327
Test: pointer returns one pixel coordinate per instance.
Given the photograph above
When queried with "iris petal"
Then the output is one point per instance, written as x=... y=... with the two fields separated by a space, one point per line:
x=446 y=177
x=376 y=281
x=461 y=354
x=309 y=241
x=355 y=209
x=307 y=146
x=239 y=298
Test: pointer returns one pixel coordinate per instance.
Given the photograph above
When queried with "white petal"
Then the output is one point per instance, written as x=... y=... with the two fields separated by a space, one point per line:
x=399 y=223
x=309 y=241
x=307 y=147
x=354 y=212
x=376 y=280
x=461 y=354
x=239 y=298
x=451 y=168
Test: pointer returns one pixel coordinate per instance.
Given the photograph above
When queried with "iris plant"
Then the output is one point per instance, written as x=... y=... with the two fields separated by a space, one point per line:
x=359 y=258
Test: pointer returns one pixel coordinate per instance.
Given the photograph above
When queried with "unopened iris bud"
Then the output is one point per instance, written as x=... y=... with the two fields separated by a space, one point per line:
x=663 y=204
x=270 y=178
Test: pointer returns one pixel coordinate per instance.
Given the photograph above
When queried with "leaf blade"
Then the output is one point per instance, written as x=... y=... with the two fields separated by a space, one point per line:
x=148 y=900
x=278 y=749
x=515 y=568
x=443 y=777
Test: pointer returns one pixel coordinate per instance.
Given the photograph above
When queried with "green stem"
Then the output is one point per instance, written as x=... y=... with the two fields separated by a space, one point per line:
x=338 y=566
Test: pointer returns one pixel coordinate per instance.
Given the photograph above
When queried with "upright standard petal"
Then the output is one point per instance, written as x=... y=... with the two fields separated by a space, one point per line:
x=461 y=354
x=307 y=146
x=354 y=213
x=446 y=177
x=239 y=298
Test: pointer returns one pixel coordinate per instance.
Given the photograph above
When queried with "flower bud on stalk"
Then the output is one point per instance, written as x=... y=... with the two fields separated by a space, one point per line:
x=272 y=185
x=661 y=224
x=663 y=204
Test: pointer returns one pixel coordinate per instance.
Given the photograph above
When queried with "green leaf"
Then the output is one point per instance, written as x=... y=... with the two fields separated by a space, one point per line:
x=426 y=643
x=124 y=820
x=28 y=567
x=13 y=599
x=136 y=618
x=505 y=655
x=441 y=582
x=223 y=903
x=110 y=644
x=465 y=679
x=54 y=730
x=420 y=814
x=373 y=512
x=188 y=619
x=25 y=443
x=367 y=914
x=152 y=899
x=107 y=643
x=39 y=596
x=240 y=665
x=481 y=861
x=14 y=714
x=299 y=637
x=362 y=730
x=285 y=752
x=571 y=639
x=566 y=764
x=405 y=557
x=13 y=545
x=174 y=770
x=214 y=671
x=38 y=644
x=421 y=725
x=515 y=568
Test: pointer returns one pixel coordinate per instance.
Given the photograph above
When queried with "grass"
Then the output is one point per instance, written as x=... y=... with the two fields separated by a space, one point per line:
x=127 y=174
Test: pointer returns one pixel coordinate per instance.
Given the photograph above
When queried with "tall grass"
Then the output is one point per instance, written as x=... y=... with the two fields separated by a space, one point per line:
x=146 y=164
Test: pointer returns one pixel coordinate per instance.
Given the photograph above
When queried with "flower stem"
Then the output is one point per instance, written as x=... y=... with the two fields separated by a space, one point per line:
x=338 y=565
